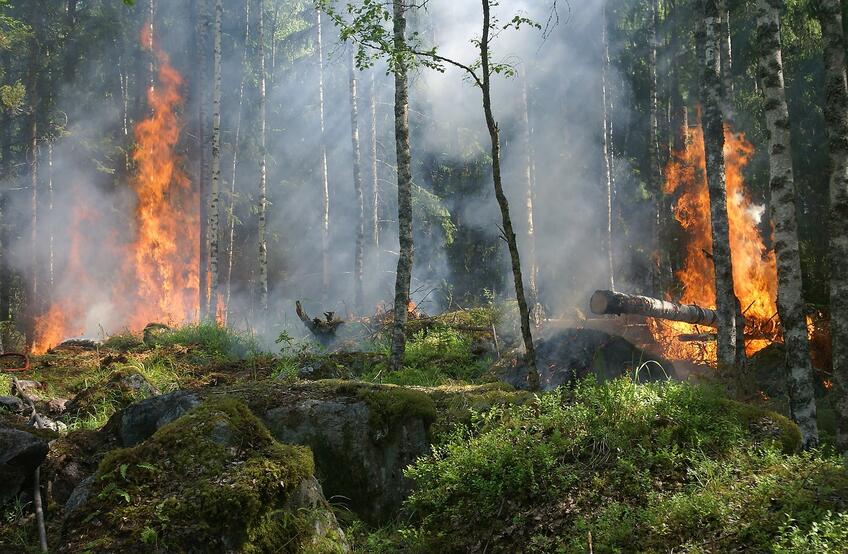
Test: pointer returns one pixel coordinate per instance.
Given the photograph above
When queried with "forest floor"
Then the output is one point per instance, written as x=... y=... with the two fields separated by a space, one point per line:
x=613 y=466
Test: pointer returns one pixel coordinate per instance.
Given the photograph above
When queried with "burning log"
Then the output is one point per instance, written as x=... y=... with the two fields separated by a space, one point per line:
x=323 y=329
x=609 y=302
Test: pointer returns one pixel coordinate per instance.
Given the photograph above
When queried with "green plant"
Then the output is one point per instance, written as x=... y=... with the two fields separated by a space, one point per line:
x=212 y=340
x=286 y=369
x=830 y=534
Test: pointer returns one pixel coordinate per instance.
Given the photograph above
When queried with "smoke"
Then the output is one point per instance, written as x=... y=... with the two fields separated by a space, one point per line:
x=458 y=250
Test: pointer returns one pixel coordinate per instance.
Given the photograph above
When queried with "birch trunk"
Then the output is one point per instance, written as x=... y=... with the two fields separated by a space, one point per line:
x=375 y=181
x=325 y=213
x=203 y=170
x=357 y=187
x=231 y=216
x=529 y=197
x=509 y=233
x=216 y=164
x=404 y=179
x=836 y=121
x=716 y=180
x=32 y=308
x=263 y=192
x=607 y=157
x=790 y=301
x=51 y=238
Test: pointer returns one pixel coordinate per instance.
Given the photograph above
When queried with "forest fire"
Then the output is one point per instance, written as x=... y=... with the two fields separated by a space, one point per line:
x=156 y=273
x=754 y=265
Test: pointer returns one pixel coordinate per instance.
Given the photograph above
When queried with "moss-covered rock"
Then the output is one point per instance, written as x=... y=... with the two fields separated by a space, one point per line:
x=214 y=480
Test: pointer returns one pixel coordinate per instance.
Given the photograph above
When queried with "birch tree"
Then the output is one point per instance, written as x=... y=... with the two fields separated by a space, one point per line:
x=790 y=301
x=529 y=198
x=263 y=190
x=357 y=188
x=325 y=191
x=716 y=183
x=606 y=150
x=231 y=217
x=201 y=44
x=375 y=177
x=829 y=13
x=216 y=163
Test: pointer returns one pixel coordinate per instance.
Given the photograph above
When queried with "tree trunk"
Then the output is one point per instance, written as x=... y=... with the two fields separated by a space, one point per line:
x=202 y=138
x=679 y=115
x=726 y=50
x=607 y=302
x=790 y=301
x=404 y=179
x=263 y=192
x=32 y=304
x=836 y=122
x=231 y=216
x=509 y=234
x=716 y=180
x=325 y=213
x=529 y=198
x=607 y=155
x=216 y=164
x=375 y=180
x=50 y=238
x=655 y=172
x=357 y=187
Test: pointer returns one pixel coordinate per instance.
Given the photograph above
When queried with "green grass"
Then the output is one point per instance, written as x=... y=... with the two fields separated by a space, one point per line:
x=212 y=340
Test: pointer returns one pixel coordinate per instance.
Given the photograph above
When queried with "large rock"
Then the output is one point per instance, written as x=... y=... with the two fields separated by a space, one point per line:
x=214 y=480
x=20 y=453
x=139 y=421
x=362 y=438
x=571 y=354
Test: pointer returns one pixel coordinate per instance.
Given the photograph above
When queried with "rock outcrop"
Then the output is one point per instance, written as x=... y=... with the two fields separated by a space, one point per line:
x=21 y=452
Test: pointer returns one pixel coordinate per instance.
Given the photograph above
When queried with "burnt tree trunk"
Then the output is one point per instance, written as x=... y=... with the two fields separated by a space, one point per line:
x=716 y=180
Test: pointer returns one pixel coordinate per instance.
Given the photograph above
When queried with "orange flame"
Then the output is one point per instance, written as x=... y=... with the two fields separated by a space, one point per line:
x=157 y=277
x=754 y=266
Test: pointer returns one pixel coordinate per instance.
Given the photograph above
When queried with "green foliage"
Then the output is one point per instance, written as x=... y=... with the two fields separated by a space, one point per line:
x=434 y=356
x=830 y=534
x=213 y=340
x=12 y=96
x=648 y=468
x=124 y=342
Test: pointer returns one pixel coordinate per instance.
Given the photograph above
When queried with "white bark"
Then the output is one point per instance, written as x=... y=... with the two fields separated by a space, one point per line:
x=216 y=163
x=263 y=191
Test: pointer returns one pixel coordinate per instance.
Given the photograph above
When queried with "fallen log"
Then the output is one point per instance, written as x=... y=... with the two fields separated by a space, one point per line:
x=617 y=303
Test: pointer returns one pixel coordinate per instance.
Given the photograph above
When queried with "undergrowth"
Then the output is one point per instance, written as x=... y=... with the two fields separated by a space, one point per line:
x=213 y=340
x=639 y=468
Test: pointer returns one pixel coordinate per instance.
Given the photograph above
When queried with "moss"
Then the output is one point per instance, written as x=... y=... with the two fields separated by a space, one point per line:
x=389 y=404
x=456 y=404
x=210 y=478
x=764 y=423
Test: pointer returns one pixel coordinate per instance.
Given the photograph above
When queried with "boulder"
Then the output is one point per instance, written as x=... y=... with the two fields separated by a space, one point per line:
x=21 y=452
x=571 y=354
x=11 y=404
x=139 y=421
x=214 y=480
x=362 y=438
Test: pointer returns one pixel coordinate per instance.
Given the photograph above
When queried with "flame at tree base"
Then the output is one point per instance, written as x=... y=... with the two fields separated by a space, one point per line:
x=754 y=265
x=156 y=274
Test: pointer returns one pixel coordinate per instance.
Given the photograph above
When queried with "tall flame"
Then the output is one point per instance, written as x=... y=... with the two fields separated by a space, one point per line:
x=156 y=278
x=754 y=265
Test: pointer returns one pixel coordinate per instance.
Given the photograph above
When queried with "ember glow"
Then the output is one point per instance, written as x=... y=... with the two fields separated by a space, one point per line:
x=754 y=266
x=156 y=278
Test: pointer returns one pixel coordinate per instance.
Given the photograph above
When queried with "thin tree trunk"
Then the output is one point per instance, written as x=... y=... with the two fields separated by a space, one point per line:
x=509 y=234
x=375 y=183
x=607 y=157
x=716 y=180
x=790 y=301
x=325 y=213
x=216 y=164
x=33 y=183
x=231 y=217
x=655 y=172
x=679 y=115
x=404 y=177
x=726 y=50
x=203 y=169
x=529 y=197
x=263 y=198
x=50 y=240
x=357 y=187
x=836 y=122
